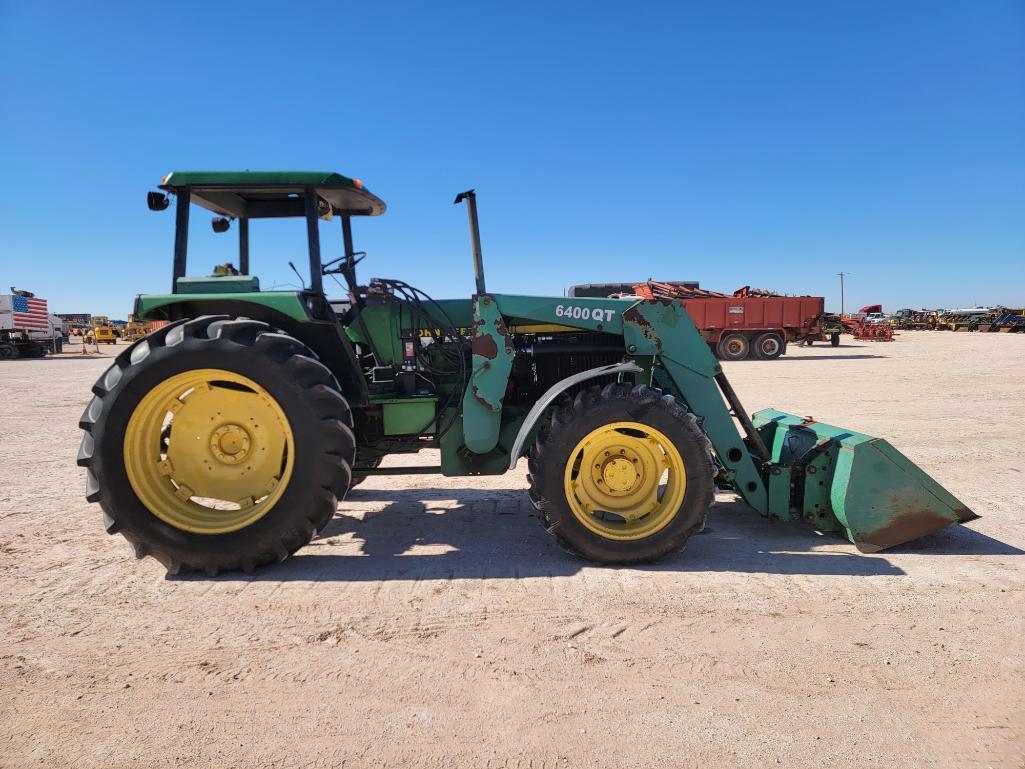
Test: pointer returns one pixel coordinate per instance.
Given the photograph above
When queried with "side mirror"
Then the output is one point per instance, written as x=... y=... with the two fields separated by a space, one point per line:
x=157 y=201
x=220 y=224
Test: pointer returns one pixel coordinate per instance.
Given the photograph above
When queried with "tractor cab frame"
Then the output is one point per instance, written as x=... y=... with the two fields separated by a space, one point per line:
x=265 y=195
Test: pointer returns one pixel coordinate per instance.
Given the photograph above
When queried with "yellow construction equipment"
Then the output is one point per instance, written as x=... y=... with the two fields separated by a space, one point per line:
x=101 y=331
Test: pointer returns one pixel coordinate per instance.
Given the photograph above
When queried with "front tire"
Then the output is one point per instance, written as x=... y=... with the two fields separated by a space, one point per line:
x=217 y=444
x=622 y=475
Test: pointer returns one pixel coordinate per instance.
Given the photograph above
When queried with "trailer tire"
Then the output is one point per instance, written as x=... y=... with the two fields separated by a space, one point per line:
x=248 y=371
x=734 y=346
x=768 y=346
x=637 y=416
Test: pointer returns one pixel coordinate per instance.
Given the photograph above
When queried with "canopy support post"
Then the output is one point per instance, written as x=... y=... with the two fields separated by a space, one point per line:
x=243 y=245
x=181 y=236
x=313 y=233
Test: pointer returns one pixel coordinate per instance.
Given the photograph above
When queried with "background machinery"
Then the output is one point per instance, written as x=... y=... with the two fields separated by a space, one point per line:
x=101 y=331
x=749 y=323
x=137 y=328
x=26 y=327
x=225 y=439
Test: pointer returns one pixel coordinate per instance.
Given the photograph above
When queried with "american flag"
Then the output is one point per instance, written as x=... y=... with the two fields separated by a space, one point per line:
x=30 y=313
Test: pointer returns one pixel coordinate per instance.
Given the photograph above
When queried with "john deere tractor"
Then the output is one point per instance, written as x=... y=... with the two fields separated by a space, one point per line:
x=226 y=439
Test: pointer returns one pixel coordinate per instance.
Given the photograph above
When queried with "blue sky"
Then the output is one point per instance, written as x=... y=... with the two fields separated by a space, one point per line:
x=771 y=144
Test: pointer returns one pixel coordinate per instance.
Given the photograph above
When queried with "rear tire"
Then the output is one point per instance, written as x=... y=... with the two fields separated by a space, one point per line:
x=768 y=346
x=557 y=456
x=733 y=347
x=316 y=415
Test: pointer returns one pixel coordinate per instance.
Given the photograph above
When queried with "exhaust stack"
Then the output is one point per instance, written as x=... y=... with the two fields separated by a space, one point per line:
x=470 y=196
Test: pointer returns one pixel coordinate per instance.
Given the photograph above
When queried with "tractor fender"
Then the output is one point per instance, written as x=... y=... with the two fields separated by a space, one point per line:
x=323 y=336
x=553 y=392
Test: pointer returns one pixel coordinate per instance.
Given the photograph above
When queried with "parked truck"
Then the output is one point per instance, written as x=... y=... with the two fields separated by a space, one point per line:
x=53 y=337
x=23 y=318
x=747 y=323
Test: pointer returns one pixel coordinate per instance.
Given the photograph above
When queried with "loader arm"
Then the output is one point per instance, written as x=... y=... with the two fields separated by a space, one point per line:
x=684 y=366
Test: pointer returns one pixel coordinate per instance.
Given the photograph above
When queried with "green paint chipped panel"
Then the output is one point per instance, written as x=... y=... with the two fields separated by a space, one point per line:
x=491 y=345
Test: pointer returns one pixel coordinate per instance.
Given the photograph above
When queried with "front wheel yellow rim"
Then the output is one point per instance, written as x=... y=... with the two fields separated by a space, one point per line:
x=625 y=481
x=209 y=451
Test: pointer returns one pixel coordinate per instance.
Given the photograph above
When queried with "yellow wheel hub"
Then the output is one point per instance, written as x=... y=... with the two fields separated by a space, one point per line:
x=619 y=475
x=209 y=451
x=625 y=481
x=230 y=444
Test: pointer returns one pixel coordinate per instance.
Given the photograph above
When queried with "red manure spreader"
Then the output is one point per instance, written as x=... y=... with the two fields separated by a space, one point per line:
x=747 y=323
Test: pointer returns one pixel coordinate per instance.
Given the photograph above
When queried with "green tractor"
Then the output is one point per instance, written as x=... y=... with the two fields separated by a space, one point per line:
x=225 y=439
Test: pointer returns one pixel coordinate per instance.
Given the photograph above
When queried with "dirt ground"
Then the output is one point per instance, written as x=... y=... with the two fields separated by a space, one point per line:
x=435 y=624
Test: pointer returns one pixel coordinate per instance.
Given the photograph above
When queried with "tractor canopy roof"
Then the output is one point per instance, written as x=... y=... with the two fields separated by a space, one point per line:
x=266 y=194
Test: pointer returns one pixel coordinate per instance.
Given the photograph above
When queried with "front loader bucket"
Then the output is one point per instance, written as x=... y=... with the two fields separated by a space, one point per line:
x=840 y=480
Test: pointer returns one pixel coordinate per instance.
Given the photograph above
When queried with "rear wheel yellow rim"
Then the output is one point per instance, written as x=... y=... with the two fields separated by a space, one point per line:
x=209 y=451
x=625 y=481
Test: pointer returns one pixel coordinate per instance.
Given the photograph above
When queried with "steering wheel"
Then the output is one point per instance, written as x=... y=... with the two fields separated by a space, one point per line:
x=351 y=261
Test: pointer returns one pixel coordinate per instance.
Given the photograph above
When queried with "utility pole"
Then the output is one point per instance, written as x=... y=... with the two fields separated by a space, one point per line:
x=841 y=274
